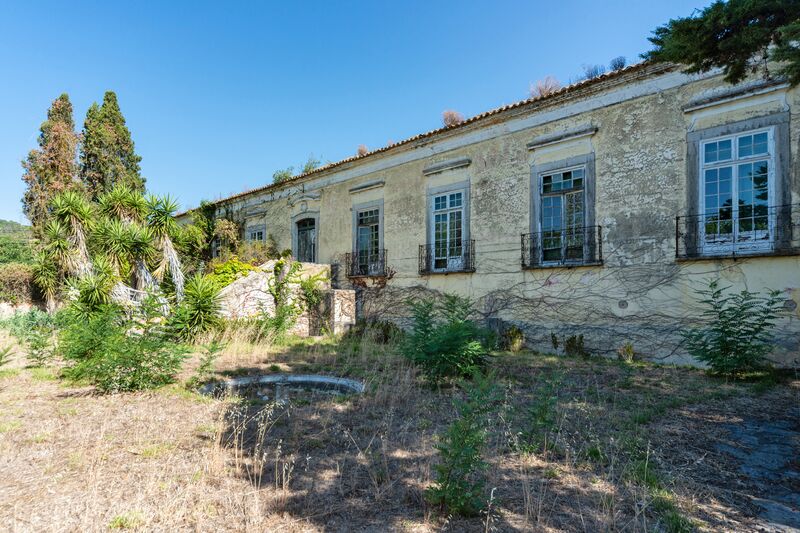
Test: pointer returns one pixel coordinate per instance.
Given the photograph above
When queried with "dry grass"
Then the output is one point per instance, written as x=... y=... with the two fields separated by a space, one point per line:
x=624 y=452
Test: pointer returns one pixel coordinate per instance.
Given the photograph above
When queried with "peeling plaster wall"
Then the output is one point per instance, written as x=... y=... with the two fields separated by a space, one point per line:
x=640 y=294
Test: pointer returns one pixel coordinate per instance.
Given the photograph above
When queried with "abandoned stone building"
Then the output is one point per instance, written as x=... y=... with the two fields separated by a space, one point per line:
x=597 y=211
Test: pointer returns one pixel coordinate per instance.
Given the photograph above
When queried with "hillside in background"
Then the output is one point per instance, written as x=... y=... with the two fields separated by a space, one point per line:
x=15 y=242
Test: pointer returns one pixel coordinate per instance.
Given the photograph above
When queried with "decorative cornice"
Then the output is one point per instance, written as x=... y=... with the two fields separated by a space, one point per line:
x=567 y=135
x=731 y=94
x=447 y=165
x=367 y=186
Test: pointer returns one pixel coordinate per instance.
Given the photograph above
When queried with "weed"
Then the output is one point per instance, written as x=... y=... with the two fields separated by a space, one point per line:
x=459 y=486
x=42 y=374
x=5 y=355
x=737 y=337
x=626 y=353
x=541 y=417
x=126 y=521
x=573 y=345
x=443 y=341
x=7 y=427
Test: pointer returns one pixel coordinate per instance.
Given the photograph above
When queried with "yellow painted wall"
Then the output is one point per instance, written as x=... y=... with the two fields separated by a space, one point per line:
x=640 y=294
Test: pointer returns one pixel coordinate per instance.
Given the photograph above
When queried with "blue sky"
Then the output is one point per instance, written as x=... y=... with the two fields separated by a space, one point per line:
x=220 y=95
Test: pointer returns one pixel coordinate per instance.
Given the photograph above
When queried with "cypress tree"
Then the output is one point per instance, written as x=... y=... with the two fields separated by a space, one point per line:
x=50 y=169
x=107 y=151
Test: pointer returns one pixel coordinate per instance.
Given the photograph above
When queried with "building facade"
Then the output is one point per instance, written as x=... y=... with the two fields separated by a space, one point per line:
x=594 y=213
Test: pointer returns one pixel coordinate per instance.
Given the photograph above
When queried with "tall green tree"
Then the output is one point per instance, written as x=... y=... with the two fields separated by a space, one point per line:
x=52 y=168
x=739 y=36
x=107 y=154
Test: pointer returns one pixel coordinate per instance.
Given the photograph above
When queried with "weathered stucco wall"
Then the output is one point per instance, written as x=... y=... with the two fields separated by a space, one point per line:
x=640 y=294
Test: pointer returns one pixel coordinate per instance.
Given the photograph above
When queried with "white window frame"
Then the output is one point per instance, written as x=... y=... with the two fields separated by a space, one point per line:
x=723 y=246
x=564 y=228
x=454 y=263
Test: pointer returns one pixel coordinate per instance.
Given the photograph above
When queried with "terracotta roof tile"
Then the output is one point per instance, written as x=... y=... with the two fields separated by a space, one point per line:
x=563 y=92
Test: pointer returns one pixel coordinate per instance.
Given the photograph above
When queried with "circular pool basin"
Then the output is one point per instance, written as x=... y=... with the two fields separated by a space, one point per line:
x=278 y=387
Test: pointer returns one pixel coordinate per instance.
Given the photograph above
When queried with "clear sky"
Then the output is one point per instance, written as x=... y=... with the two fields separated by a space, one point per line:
x=219 y=95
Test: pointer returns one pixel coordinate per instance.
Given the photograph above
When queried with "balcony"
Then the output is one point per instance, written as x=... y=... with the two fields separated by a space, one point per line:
x=568 y=247
x=445 y=259
x=735 y=232
x=366 y=265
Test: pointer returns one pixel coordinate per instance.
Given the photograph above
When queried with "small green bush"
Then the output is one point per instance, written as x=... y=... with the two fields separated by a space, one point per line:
x=736 y=337
x=573 y=345
x=21 y=324
x=626 y=353
x=200 y=309
x=541 y=417
x=223 y=274
x=16 y=249
x=5 y=355
x=513 y=339
x=39 y=343
x=285 y=274
x=205 y=370
x=117 y=352
x=443 y=341
x=460 y=483
x=380 y=331
x=16 y=283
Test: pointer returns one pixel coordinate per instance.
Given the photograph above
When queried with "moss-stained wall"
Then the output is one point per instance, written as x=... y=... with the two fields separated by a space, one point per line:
x=638 y=129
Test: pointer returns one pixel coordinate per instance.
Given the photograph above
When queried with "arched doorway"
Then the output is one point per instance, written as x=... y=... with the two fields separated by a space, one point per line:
x=306 y=240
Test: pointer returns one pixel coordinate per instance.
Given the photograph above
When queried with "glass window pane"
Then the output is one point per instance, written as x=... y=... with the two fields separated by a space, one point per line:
x=724 y=150
x=760 y=143
x=710 y=155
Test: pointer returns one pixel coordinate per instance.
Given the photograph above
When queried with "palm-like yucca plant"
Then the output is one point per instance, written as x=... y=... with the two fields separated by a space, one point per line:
x=59 y=247
x=74 y=211
x=96 y=289
x=46 y=277
x=128 y=247
x=123 y=203
x=161 y=223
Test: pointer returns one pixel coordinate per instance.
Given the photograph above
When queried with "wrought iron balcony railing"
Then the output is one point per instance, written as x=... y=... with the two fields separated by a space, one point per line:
x=447 y=257
x=363 y=264
x=743 y=230
x=563 y=247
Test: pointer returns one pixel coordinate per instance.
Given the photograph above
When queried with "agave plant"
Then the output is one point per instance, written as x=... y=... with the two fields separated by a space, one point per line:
x=200 y=310
x=163 y=227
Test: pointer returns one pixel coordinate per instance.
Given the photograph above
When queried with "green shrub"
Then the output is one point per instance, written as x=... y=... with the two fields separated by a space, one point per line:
x=380 y=331
x=5 y=355
x=205 y=370
x=736 y=337
x=200 y=309
x=626 y=353
x=513 y=339
x=15 y=250
x=460 y=482
x=39 y=343
x=117 y=352
x=573 y=345
x=443 y=341
x=21 y=324
x=540 y=420
x=223 y=274
x=285 y=273
x=16 y=283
